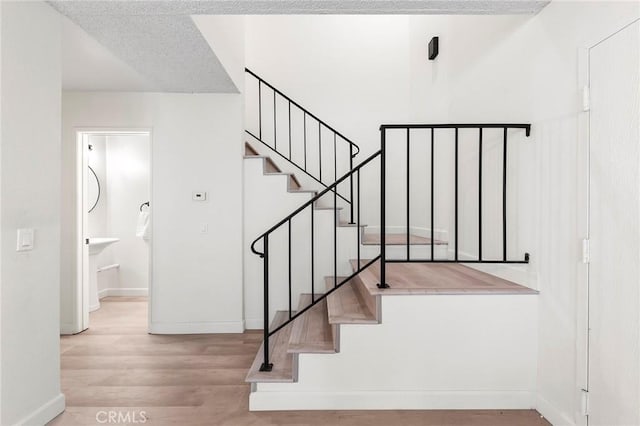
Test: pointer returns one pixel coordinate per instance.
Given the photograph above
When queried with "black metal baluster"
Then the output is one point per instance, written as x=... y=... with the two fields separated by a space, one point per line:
x=456 y=197
x=335 y=236
x=504 y=196
x=289 y=130
x=260 y=109
x=275 y=125
x=408 y=198
x=289 y=267
x=304 y=126
x=351 y=184
x=358 y=223
x=432 y=193
x=480 y=195
x=335 y=160
x=320 y=150
x=266 y=365
x=383 y=230
x=313 y=293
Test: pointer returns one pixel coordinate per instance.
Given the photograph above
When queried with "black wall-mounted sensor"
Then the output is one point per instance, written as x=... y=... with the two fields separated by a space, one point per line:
x=433 y=48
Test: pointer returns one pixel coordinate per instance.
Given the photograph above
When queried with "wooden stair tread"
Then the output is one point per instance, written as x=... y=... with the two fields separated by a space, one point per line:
x=371 y=238
x=249 y=151
x=285 y=364
x=293 y=181
x=270 y=167
x=346 y=306
x=310 y=191
x=351 y=225
x=311 y=332
x=430 y=278
x=327 y=208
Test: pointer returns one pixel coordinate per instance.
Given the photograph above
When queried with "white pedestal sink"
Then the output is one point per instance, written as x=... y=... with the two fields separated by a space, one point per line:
x=96 y=246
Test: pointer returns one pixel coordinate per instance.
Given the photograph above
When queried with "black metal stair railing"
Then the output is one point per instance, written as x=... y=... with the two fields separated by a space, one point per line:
x=379 y=158
x=406 y=129
x=337 y=282
x=337 y=160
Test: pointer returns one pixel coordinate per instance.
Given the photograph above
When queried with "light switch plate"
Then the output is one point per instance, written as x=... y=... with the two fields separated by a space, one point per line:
x=25 y=239
x=199 y=196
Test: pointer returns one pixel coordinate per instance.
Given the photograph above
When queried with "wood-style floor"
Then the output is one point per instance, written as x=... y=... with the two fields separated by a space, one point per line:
x=189 y=380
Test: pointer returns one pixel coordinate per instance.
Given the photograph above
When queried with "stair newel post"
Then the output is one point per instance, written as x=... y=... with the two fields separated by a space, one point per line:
x=335 y=235
x=383 y=228
x=266 y=365
x=350 y=182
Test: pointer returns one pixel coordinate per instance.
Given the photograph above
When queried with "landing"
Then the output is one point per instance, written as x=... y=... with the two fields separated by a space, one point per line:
x=437 y=278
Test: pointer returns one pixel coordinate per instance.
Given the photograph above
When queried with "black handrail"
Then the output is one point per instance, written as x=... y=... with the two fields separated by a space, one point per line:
x=306 y=114
x=310 y=114
x=526 y=127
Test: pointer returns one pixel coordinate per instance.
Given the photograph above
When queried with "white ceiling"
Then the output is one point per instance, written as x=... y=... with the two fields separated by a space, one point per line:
x=142 y=45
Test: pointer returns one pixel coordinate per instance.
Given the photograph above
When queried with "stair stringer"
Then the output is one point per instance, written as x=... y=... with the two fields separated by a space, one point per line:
x=304 y=179
x=267 y=200
x=429 y=352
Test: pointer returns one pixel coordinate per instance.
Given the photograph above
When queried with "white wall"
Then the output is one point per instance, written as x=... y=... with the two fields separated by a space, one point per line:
x=196 y=283
x=356 y=74
x=350 y=71
x=30 y=176
x=128 y=182
x=527 y=71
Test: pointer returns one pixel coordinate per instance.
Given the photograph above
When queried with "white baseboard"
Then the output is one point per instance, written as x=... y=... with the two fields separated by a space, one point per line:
x=45 y=413
x=209 y=327
x=254 y=324
x=552 y=414
x=389 y=400
x=123 y=292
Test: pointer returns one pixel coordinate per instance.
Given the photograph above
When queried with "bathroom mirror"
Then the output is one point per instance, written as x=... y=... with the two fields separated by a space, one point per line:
x=93 y=189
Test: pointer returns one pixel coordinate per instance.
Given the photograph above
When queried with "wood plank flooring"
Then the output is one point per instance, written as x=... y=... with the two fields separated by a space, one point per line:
x=198 y=380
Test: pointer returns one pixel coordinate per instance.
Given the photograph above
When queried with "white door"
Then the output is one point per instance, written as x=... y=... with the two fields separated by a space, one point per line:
x=614 y=230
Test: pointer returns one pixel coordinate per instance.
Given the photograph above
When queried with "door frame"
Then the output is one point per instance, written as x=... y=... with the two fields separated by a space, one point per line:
x=81 y=291
x=582 y=224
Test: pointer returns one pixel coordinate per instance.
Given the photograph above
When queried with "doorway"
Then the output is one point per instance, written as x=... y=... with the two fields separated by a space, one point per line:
x=114 y=222
x=614 y=230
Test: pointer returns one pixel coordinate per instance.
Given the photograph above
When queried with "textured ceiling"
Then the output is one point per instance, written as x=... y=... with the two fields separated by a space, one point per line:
x=167 y=50
x=159 y=40
x=89 y=66
x=255 y=7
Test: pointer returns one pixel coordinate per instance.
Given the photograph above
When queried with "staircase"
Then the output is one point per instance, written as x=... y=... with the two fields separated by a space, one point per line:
x=325 y=272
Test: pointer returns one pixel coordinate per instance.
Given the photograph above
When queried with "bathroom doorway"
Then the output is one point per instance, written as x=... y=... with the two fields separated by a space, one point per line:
x=114 y=224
